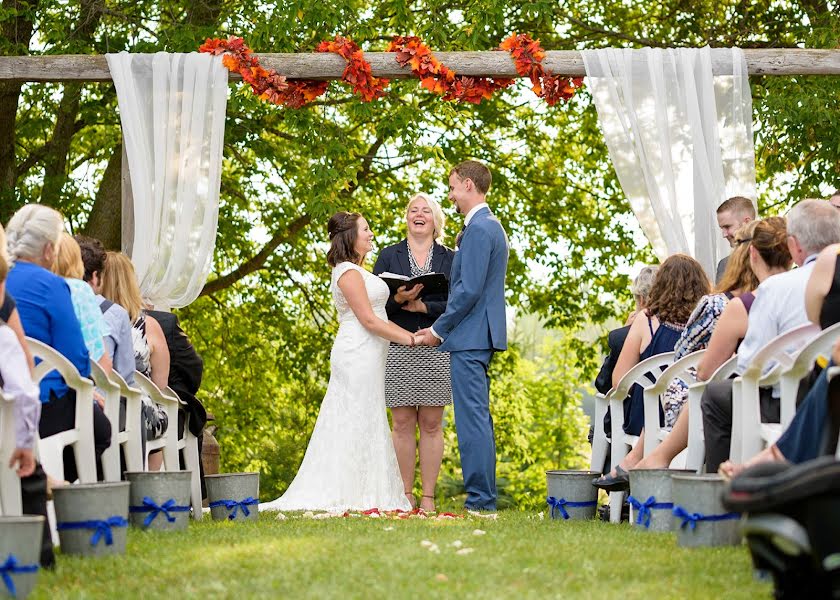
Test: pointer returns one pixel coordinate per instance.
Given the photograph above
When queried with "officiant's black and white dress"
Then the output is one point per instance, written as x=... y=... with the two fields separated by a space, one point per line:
x=350 y=463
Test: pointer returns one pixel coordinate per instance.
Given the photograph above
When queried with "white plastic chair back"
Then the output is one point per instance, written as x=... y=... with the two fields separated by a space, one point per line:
x=654 y=395
x=10 y=499
x=696 y=451
x=751 y=436
x=80 y=437
x=645 y=373
x=170 y=442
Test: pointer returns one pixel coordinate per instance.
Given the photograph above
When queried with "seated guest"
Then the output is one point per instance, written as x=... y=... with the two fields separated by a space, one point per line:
x=814 y=428
x=46 y=311
x=185 y=371
x=679 y=284
x=779 y=306
x=151 y=354
x=68 y=264
x=731 y=215
x=118 y=342
x=16 y=382
x=615 y=340
x=745 y=271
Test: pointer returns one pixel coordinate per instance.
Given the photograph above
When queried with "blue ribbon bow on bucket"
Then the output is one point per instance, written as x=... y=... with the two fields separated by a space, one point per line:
x=101 y=528
x=643 y=509
x=11 y=567
x=154 y=509
x=234 y=506
x=560 y=505
x=691 y=519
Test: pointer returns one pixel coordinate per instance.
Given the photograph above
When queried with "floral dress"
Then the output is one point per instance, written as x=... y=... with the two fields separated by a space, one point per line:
x=695 y=336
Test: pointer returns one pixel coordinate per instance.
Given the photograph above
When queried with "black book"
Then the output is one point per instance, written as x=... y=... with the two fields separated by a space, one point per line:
x=433 y=283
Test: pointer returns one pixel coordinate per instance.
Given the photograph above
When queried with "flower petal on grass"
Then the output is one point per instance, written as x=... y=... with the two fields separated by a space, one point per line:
x=479 y=532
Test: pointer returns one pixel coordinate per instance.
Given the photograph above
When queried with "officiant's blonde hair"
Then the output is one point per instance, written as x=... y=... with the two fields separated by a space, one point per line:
x=437 y=214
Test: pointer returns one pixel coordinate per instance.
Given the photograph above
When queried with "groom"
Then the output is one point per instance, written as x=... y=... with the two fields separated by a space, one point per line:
x=473 y=327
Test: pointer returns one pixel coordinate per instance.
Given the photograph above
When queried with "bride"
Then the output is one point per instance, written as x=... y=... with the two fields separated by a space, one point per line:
x=350 y=463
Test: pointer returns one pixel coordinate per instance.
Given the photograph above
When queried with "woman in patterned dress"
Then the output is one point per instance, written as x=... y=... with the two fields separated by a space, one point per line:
x=417 y=383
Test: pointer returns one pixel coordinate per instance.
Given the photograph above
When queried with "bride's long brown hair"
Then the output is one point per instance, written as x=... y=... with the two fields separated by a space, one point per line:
x=343 y=230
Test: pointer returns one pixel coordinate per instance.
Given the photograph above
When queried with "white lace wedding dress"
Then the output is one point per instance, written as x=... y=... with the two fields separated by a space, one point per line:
x=350 y=463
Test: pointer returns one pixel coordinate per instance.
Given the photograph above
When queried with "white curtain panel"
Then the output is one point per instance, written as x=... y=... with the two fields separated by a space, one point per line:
x=172 y=109
x=678 y=126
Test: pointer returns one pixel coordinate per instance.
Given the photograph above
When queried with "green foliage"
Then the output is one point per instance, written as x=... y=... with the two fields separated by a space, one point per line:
x=266 y=336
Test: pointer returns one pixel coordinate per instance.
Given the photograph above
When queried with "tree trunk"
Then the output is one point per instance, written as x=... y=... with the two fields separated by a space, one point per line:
x=16 y=34
x=104 y=222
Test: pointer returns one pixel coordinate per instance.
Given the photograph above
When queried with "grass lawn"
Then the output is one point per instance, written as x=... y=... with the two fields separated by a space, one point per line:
x=519 y=556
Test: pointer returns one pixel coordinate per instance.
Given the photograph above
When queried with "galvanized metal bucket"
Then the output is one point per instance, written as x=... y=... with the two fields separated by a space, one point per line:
x=699 y=516
x=650 y=498
x=92 y=518
x=233 y=496
x=20 y=553
x=159 y=500
x=571 y=494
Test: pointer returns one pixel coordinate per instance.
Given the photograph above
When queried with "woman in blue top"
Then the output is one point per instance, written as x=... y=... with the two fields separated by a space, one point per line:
x=46 y=311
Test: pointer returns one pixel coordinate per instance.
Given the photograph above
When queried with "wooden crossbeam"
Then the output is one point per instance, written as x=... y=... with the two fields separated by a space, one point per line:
x=68 y=67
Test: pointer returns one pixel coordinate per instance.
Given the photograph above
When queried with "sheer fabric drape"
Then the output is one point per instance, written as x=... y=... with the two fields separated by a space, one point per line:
x=172 y=109
x=680 y=138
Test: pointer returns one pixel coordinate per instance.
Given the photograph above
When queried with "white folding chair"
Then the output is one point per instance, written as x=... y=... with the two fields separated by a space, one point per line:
x=80 y=436
x=654 y=395
x=113 y=387
x=751 y=436
x=802 y=365
x=170 y=442
x=10 y=499
x=696 y=451
x=644 y=373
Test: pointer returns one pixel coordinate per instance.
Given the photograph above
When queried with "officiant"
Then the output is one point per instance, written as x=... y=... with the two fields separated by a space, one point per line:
x=417 y=383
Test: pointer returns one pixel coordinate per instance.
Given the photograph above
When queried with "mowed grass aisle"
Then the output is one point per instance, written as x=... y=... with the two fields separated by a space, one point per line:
x=519 y=556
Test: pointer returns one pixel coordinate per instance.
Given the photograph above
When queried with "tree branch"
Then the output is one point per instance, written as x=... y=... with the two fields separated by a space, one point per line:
x=256 y=262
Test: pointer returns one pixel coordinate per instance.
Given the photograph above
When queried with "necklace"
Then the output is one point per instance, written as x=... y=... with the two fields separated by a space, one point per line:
x=416 y=269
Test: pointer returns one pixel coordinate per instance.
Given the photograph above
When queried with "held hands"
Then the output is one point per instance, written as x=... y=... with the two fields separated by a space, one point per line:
x=426 y=338
x=24 y=458
x=403 y=296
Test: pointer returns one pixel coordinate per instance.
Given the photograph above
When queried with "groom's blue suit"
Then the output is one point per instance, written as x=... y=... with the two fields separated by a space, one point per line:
x=472 y=328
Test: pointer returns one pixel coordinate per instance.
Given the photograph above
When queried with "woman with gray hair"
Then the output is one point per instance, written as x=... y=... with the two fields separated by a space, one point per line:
x=640 y=288
x=46 y=312
x=417 y=384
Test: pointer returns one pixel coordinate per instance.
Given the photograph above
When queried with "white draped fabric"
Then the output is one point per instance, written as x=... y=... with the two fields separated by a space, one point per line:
x=172 y=109
x=680 y=139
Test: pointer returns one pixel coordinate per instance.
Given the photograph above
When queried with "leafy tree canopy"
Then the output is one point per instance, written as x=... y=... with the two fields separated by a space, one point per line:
x=265 y=323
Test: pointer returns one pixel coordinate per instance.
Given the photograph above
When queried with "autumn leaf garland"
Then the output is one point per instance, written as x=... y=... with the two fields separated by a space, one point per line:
x=410 y=51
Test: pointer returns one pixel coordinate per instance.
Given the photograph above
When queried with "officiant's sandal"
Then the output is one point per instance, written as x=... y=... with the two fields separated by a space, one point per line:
x=432 y=509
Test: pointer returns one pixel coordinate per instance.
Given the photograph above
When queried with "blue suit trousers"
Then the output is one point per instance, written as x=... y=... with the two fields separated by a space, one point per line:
x=476 y=443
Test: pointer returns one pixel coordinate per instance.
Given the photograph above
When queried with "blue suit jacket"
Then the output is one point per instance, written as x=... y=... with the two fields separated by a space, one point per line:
x=475 y=315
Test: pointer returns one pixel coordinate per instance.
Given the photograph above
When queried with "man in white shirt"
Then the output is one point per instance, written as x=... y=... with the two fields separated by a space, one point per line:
x=779 y=306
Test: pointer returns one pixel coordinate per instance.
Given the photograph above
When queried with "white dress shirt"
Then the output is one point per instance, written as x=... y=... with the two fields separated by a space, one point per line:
x=18 y=384
x=779 y=306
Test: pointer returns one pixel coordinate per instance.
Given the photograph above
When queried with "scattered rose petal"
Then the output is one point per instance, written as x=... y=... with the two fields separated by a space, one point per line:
x=464 y=551
x=457 y=544
x=542 y=516
x=426 y=543
x=389 y=528
x=434 y=548
x=479 y=532
x=281 y=517
x=308 y=515
x=441 y=577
